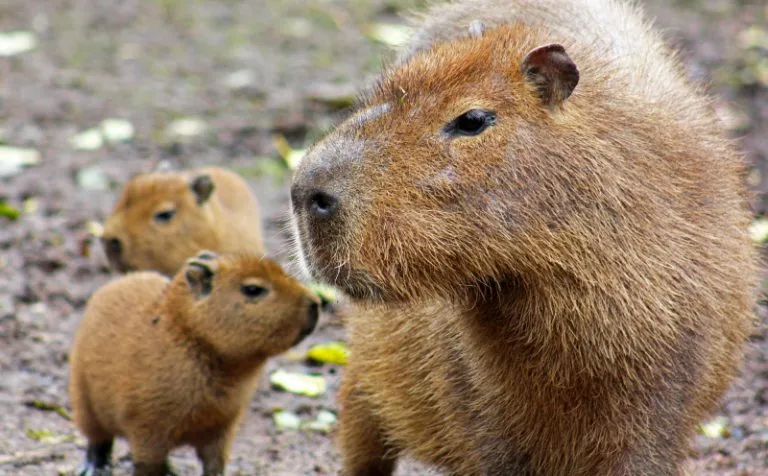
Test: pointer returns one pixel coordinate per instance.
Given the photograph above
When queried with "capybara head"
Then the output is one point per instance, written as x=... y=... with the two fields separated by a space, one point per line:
x=452 y=172
x=160 y=220
x=243 y=304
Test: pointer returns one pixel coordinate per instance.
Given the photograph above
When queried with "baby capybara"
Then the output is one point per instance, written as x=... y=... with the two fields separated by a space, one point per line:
x=166 y=363
x=543 y=231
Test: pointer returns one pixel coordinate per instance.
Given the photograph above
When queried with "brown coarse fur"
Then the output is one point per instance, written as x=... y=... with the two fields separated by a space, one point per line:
x=166 y=363
x=224 y=219
x=565 y=293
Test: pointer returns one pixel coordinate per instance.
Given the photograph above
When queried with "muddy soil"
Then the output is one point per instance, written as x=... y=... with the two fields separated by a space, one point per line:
x=250 y=70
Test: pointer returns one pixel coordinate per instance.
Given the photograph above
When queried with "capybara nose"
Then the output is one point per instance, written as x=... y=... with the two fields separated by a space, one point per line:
x=317 y=203
x=322 y=205
x=112 y=247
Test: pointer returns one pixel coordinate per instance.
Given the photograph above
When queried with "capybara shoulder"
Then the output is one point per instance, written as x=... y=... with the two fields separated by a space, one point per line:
x=163 y=218
x=166 y=363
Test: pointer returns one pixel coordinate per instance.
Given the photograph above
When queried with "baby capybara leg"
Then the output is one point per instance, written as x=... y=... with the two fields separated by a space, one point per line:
x=98 y=456
x=361 y=439
x=213 y=454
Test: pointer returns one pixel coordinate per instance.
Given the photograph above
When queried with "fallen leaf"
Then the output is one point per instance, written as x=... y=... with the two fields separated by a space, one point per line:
x=31 y=205
x=330 y=353
x=117 y=130
x=759 y=230
x=292 y=157
x=325 y=292
x=47 y=436
x=240 y=79
x=187 y=127
x=92 y=178
x=94 y=228
x=753 y=37
x=16 y=42
x=89 y=139
x=13 y=159
x=8 y=211
x=715 y=428
x=323 y=423
x=390 y=34
x=285 y=420
x=48 y=407
x=299 y=384
x=296 y=27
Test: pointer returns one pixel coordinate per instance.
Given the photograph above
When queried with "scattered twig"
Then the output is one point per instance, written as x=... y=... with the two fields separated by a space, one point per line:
x=25 y=458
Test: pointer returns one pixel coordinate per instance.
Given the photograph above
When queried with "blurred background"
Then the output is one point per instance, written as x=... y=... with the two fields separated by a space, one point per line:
x=95 y=91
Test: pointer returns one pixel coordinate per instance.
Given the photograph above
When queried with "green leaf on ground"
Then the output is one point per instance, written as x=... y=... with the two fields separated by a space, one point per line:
x=16 y=42
x=8 y=211
x=299 y=384
x=89 y=139
x=48 y=407
x=292 y=157
x=187 y=127
x=330 y=353
x=324 y=422
x=94 y=228
x=325 y=292
x=759 y=230
x=14 y=159
x=715 y=428
x=391 y=34
x=117 y=130
x=285 y=420
x=47 y=436
x=92 y=178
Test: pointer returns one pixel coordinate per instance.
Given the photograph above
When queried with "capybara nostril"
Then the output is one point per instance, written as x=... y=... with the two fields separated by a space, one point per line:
x=112 y=246
x=322 y=205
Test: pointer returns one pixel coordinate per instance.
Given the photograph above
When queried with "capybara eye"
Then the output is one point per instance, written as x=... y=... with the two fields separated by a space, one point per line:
x=164 y=216
x=253 y=291
x=471 y=123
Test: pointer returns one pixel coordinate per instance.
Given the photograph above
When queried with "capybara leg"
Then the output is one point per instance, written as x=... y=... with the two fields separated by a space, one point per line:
x=213 y=455
x=362 y=442
x=97 y=459
x=149 y=457
x=141 y=468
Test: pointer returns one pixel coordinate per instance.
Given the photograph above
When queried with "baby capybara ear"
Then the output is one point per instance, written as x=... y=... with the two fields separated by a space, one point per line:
x=199 y=274
x=552 y=72
x=202 y=186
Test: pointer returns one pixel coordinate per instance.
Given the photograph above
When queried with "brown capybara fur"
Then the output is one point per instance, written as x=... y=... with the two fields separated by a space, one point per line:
x=543 y=232
x=166 y=363
x=163 y=218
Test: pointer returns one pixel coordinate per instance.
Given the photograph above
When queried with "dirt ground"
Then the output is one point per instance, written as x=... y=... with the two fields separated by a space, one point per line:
x=250 y=69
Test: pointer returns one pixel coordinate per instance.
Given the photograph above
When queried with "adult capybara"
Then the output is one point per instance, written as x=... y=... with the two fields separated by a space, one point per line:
x=165 y=217
x=543 y=232
x=166 y=363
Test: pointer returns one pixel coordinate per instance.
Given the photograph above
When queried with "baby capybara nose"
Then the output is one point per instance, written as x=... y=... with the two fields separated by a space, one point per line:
x=112 y=247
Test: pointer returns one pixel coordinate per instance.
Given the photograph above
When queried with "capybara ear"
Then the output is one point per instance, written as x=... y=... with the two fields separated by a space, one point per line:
x=476 y=29
x=552 y=72
x=199 y=275
x=202 y=186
